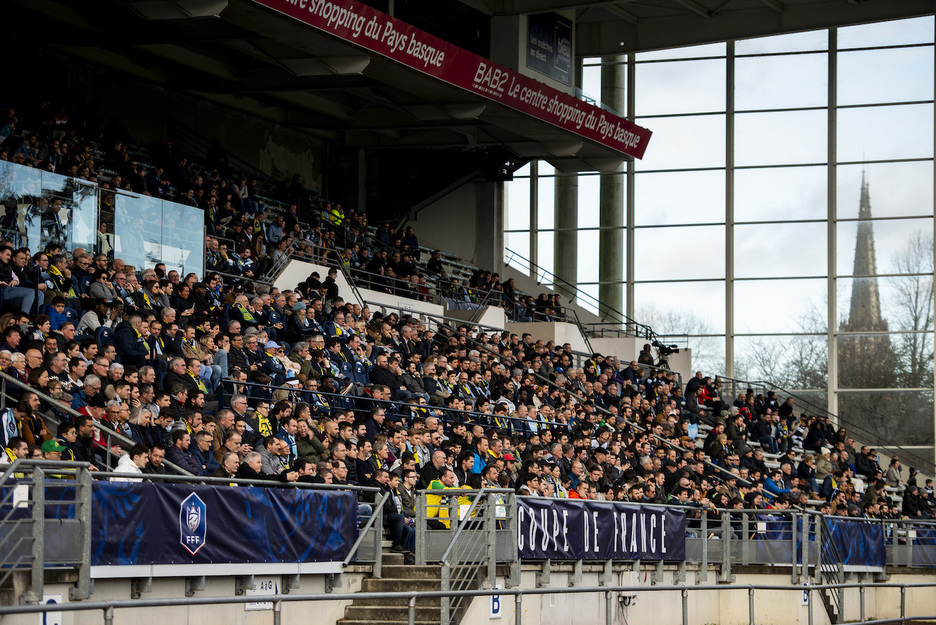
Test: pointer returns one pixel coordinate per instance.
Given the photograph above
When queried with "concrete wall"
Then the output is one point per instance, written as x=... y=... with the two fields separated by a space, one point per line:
x=168 y=588
x=492 y=316
x=726 y=606
x=395 y=302
x=449 y=223
x=559 y=332
x=297 y=271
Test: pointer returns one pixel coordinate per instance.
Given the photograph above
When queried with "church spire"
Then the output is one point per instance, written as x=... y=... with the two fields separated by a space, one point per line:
x=865 y=311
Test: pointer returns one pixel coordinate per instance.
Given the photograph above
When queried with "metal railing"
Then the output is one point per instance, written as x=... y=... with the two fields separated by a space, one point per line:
x=831 y=571
x=112 y=437
x=477 y=536
x=572 y=291
x=608 y=593
x=732 y=387
x=31 y=541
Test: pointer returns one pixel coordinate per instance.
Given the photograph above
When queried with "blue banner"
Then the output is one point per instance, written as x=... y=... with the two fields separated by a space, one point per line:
x=575 y=529
x=860 y=543
x=152 y=523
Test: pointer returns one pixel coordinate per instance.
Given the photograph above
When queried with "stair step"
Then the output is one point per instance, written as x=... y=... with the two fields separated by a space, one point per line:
x=411 y=571
x=434 y=621
x=399 y=585
x=389 y=558
x=383 y=614
x=422 y=602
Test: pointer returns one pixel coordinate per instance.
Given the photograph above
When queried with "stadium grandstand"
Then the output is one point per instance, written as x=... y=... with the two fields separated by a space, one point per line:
x=458 y=311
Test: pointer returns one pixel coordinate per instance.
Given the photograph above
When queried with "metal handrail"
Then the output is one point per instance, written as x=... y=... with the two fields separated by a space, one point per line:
x=224 y=481
x=624 y=319
x=923 y=462
x=111 y=433
x=443 y=409
x=108 y=607
x=376 y=517
x=550 y=383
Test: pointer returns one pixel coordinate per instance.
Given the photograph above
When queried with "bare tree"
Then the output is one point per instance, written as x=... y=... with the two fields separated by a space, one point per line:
x=914 y=313
x=708 y=352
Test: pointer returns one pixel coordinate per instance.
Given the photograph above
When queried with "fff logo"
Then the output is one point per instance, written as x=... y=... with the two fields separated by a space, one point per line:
x=193 y=523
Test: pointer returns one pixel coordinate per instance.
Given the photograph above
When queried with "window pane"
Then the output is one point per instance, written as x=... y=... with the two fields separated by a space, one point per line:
x=878 y=361
x=546 y=203
x=20 y=189
x=796 y=42
x=774 y=82
x=684 y=142
x=183 y=238
x=779 y=250
x=545 y=169
x=517 y=210
x=895 y=189
x=680 y=253
x=662 y=198
x=885 y=132
x=523 y=171
x=891 y=240
x=681 y=87
x=519 y=244
x=882 y=418
x=772 y=306
x=589 y=201
x=680 y=308
x=896 y=75
x=587 y=297
x=591 y=83
x=895 y=32
x=545 y=246
x=138 y=230
x=686 y=52
x=780 y=138
x=795 y=193
x=905 y=303
x=588 y=256
x=791 y=362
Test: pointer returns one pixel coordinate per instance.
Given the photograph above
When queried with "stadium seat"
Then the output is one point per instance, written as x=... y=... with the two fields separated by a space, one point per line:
x=361 y=373
x=103 y=335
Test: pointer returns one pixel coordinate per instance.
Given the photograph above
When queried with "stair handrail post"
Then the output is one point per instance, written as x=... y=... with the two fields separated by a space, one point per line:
x=83 y=494
x=490 y=530
x=37 y=577
x=421 y=530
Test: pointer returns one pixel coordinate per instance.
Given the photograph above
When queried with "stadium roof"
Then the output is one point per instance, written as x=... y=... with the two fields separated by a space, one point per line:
x=232 y=50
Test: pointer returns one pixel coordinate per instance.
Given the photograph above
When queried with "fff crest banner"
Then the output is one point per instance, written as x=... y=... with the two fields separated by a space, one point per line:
x=153 y=523
x=575 y=529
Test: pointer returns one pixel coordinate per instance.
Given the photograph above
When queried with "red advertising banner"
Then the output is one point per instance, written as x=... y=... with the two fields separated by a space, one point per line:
x=391 y=38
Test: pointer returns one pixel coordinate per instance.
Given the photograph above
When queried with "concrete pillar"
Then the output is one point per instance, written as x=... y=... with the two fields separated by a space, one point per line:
x=611 y=203
x=489 y=225
x=566 y=234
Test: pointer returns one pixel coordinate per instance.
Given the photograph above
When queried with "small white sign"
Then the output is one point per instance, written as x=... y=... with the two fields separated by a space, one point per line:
x=497 y=608
x=263 y=587
x=51 y=618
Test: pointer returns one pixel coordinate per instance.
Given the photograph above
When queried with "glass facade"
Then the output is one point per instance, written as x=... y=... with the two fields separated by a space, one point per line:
x=149 y=231
x=782 y=218
x=41 y=208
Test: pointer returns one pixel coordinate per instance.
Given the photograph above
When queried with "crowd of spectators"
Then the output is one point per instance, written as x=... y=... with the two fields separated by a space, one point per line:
x=222 y=376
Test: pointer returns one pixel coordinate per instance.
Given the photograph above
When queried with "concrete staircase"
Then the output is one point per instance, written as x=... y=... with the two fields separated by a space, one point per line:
x=397 y=577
